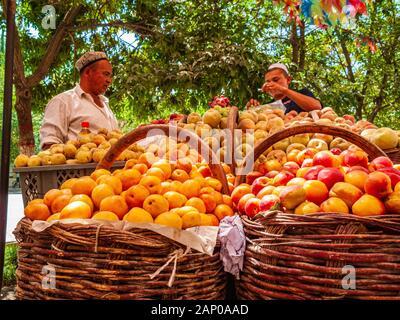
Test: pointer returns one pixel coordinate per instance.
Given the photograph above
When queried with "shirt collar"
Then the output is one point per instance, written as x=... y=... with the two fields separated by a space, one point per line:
x=79 y=91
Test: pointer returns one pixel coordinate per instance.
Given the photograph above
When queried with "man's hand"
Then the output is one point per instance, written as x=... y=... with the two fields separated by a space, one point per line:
x=273 y=88
x=252 y=103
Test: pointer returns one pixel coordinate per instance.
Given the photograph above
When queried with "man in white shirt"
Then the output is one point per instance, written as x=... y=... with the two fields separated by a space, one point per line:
x=65 y=112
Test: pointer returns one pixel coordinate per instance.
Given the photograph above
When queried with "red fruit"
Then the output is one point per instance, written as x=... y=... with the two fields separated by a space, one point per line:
x=336 y=151
x=307 y=163
x=352 y=158
x=253 y=176
x=252 y=207
x=330 y=176
x=393 y=174
x=349 y=117
x=291 y=166
x=271 y=174
x=326 y=158
x=381 y=162
x=269 y=201
x=312 y=173
x=378 y=185
x=243 y=201
x=354 y=168
x=259 y=184
x=282 y=178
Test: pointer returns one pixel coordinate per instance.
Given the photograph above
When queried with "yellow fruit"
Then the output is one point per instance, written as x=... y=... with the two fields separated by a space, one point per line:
x=183 y=210
x=98 y=173
x=53 y=217
x=196 y=203
x=156 y=172
x=105 y=215
x=223 y=210
x=191 y=188
x=307 y=207
x=169 y=219
x=191 y=219
x=84 y=198
x=138 y=215
x=60 y=202
x=21 y=160
x=114 y=204
x=129 y=178
x=50 y=196
x=164 y=166
x=83 y=185
x=155 y=204
x=37 y=211
x=175 y=199
x=206 y=220
x=101 y=192
x=68 y=183
x=112 y=181
x=76 y=210
x=152 y=183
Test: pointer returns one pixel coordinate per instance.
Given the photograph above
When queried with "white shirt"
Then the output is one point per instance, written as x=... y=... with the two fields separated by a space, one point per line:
x=65 y=113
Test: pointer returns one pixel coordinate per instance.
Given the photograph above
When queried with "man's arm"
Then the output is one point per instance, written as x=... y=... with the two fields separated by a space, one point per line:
x=305 y=102
x=55 y=124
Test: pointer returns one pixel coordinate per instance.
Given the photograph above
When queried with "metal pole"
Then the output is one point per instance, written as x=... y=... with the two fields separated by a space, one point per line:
x=5 y=147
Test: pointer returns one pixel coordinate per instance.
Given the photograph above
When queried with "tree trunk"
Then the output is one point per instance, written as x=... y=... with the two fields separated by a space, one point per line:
x=294 y=41
x=379 y=99
x=23 y=108
x=359 y=98
x=302 y=57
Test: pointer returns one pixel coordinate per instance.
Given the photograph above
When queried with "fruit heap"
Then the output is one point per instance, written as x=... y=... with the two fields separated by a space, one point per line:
x=385 y=138
x=266 y=121
x=87 y=148
x=321 y=181
x=180 y=194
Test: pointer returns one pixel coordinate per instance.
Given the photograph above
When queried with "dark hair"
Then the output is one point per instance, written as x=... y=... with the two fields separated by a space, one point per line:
x=283 y=72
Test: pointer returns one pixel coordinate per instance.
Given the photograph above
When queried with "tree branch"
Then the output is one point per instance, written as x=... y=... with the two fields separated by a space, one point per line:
x=136 y=27
x=54 y=47
x=18 y=59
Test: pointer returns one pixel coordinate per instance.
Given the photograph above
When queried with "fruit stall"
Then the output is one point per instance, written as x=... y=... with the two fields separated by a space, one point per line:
x=315 y=193
x=253 y=204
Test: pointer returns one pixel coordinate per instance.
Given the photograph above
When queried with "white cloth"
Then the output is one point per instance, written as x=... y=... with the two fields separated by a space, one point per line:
x=65 y=112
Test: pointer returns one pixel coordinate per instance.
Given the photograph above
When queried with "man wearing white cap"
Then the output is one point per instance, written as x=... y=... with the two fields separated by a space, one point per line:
x=65 y=113
x=277 y=80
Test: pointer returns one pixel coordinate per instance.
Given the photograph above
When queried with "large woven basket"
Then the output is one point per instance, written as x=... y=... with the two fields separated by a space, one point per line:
x=92 y=261
x=323 y=255
x=394 y=155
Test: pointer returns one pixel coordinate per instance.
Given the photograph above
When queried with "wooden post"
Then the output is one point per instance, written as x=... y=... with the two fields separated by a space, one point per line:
x=5 y=148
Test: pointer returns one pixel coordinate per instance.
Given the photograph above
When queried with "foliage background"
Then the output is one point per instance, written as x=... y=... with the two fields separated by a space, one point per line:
x=174 y=56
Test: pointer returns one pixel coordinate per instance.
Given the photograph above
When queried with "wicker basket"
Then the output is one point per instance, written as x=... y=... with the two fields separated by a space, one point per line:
x=323 y=255
x=93 y=261
x=36 y=181
x=394 y=155
x=312 y=257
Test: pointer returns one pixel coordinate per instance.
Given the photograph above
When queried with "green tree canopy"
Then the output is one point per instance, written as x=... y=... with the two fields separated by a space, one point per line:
x=174 y=56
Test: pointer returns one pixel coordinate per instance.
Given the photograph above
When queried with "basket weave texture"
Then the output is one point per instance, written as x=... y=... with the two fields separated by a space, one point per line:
x=321 y=256
x=92 y=262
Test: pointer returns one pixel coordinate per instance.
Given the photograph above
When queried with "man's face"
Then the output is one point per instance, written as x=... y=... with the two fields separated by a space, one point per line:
x=100 y=77
x=279 y=77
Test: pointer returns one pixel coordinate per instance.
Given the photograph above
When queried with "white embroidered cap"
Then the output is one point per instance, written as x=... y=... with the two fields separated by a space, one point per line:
x=279 y=66
x=89 y=58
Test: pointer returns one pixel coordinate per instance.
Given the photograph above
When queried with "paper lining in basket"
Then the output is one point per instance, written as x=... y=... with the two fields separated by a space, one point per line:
x=202 y=239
